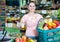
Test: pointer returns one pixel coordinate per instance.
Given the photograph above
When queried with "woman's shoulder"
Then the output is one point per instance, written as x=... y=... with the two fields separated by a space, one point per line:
x=39 y=15
x=25 y=15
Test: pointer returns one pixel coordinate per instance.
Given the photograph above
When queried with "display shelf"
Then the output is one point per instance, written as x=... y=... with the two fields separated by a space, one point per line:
x=38 y=11
x=40 y=4
x=2 y=14
x=12 y=15
x=2 y=18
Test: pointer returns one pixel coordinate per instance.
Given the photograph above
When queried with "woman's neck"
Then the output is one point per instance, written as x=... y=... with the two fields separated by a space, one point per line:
x=31 y=13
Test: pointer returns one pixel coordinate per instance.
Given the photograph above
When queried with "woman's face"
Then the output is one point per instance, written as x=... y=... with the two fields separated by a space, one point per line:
x=31 y=7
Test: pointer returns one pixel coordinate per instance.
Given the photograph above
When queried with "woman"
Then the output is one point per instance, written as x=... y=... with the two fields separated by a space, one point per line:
x=30 y=20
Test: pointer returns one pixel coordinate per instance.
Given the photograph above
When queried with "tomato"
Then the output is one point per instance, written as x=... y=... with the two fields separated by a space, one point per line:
x=17 y=39
x=56 y=22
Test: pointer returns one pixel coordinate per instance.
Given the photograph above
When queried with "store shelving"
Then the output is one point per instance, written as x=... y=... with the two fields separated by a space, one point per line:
x=40 y=4
x=2 y=19
x=2 y=14
x=12 y=15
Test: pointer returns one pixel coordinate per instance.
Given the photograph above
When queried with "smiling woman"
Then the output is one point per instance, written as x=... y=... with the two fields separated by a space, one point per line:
x=30 y=20
x=31 y=6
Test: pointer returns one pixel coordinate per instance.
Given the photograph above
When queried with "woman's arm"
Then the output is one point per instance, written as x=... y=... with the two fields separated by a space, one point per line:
x=23 y=21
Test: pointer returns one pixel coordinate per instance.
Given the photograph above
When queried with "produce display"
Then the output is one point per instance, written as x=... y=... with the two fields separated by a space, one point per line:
x=48 y=28
x=12 y=14
x=14 y=35
x=48 y=24
x=2 y=16
x=24 y=39
x=58 y=13
x=13 y=32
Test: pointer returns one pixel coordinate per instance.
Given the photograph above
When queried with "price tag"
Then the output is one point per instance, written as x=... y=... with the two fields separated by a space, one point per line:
x=9 y=24
x=44 y=11
x=23 y=11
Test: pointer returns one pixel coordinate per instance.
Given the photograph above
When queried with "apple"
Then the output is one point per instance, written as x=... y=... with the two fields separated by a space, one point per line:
x=58 y=26
x=57 y=22
x=17 y=39
x=46 y=28
x=45 y=24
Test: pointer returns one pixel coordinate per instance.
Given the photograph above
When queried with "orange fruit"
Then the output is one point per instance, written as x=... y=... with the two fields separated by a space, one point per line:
x=49 y=27
x=54 y=25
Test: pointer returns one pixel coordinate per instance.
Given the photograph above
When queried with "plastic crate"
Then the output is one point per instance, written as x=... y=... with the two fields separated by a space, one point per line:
x=49 y=35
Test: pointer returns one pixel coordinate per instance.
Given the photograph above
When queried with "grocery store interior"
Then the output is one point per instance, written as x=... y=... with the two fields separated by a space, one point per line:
x=12 y=11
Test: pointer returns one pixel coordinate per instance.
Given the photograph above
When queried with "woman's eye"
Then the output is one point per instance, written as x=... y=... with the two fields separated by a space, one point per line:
x=30 y=6
x=33 y=6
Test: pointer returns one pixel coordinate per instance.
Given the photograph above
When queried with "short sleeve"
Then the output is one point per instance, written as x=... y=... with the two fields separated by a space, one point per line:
x=39 y=16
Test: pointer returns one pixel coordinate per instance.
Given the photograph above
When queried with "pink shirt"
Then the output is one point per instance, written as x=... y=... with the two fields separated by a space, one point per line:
x=31 y=24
